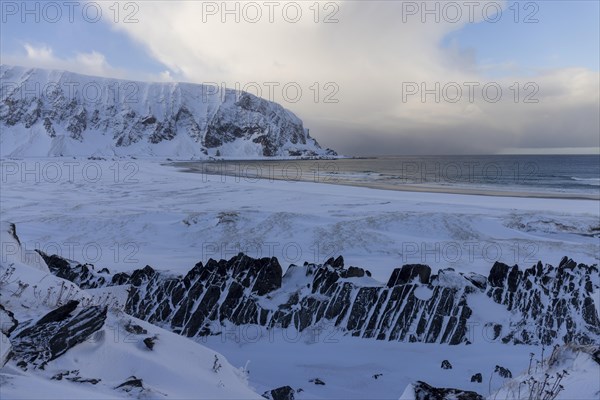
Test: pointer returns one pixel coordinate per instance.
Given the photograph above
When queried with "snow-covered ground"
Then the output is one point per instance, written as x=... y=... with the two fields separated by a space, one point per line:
x=354 y=368
x=124 y=214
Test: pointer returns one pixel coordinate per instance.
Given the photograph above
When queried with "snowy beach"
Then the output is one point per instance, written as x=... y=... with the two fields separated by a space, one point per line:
x=123 y=214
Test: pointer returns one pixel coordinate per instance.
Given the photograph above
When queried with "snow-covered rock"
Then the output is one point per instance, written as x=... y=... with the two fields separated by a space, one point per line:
x=541 y=305
x=59 y=113
x=556 y=304
x=570 y=372
x=55 y=333
x=423 y=391
x=71 y=343
x=5 y=349
x=13 y=252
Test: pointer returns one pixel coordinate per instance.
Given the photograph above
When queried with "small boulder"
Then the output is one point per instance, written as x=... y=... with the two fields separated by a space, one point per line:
x=317 y=381
x=477 y=378
x=149 y=342
x=355 y=272
x=503 y=372
x=281 y=393
x=130 y=384
x=135 y=329
x=446 y=364
x=424 y=391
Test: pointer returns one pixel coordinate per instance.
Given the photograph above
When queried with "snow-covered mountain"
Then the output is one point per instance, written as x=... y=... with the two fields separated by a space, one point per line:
x=58 y=113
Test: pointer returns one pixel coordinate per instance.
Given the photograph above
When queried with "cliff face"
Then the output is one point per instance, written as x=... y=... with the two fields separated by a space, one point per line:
x=545 y=304
x=58 y=113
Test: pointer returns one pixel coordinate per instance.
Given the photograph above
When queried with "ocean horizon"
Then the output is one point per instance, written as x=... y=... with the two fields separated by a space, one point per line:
x=576 y=176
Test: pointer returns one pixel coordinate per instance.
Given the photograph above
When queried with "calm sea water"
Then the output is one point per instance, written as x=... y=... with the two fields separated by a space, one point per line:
x=568 y=175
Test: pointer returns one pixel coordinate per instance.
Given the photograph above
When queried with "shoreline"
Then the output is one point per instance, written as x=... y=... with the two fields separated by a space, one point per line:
x=192 y=167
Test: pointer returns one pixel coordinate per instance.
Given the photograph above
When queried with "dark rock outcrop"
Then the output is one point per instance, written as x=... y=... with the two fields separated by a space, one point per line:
x=230 y=291
x=55 y=333
x=8 y=322
x=408 y=273
x=503 y=372
x=73 y=376
x=446 y=364
x=555 y=303
x=83 y=275
x=135 y=329
x=547 y=304
x=131 y=384
x=424 y=391
x=215 y=292
x=150 y=342
x=477 y=378
x=281 y=393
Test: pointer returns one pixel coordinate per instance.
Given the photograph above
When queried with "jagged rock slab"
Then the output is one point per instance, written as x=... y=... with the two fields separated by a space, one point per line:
x=556 y=304
x=238 y=291
x=55 y=333
x=83 y=275
x=547 y=304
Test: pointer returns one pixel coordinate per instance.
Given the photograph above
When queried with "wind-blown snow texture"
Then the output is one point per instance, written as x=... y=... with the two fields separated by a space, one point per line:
x=58 y=113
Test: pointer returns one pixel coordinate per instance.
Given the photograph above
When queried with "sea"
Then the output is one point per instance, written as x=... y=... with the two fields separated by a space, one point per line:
x=564 y=176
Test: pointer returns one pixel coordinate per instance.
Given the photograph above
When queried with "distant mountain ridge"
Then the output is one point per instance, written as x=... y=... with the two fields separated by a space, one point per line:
x=58 y=113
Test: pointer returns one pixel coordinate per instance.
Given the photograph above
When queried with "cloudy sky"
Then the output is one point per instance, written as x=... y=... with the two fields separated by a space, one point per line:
x=367 y=77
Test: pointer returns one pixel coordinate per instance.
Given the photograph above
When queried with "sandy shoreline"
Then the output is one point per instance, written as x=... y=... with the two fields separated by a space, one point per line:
x=200 y=168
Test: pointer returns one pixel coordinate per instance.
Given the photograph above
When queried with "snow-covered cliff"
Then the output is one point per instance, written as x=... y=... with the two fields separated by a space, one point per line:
x=57 y=113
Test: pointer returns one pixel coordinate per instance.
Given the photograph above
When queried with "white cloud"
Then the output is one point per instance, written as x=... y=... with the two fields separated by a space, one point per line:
x=38 y=54
x=373 y=50
x=91 y=63
x=42 y=56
